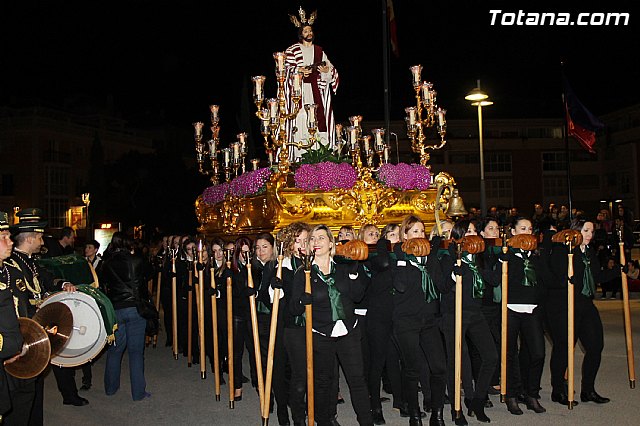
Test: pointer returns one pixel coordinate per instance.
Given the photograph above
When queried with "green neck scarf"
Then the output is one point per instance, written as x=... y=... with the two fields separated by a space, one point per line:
x=337 y=310
x=478 y=284
x=529 y=279
x=428 y=288
x=588 y=284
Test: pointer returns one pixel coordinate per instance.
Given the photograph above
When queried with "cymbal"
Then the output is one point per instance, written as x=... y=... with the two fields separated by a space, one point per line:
x=57 y=320
x=36 y=351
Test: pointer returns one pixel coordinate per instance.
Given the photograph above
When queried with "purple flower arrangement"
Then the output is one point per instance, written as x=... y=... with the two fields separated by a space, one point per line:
x=325 y=176
x=405 y=176
x=245 y=185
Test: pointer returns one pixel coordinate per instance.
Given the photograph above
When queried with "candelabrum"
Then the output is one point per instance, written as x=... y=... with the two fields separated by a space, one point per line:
x=360 y=144
x=277 y=115
x=434 y=116
x=212 y=150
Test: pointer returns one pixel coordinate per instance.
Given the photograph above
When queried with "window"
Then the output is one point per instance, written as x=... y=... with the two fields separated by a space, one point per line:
x=554 y=161
x=464 y=158
x=554 y=186
x=56 y=209
x=497 y=162
x=56 y=181
x=499 y=188
x=624 y=182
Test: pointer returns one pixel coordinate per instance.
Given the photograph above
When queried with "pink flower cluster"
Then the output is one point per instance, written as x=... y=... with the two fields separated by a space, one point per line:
x=325 y=176
x=405 y=176
x=247 y=184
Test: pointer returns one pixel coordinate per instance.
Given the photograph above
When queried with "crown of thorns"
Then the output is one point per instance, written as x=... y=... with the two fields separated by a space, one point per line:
x=303 y=18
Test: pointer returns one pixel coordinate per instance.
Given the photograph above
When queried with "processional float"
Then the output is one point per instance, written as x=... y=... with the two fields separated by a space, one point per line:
x=352 y=183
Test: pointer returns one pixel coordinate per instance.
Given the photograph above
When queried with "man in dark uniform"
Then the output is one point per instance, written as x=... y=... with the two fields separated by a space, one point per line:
x=29 y=283
x=10 y=337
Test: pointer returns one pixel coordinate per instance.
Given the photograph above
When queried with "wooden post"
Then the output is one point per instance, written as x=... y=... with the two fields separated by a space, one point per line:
x=272 y=344
x=203 y=364
x=570 y=335
x=174 y=308
x=190 y=318
x=155 y=338
x=309 y=337
x=214 y=325
x=232 y=390
x=458 y=341
x=256 y=337
x=503 y=335
x=627 y=320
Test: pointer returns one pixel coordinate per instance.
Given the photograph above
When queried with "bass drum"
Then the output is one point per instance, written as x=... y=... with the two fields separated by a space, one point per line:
x=88 y=337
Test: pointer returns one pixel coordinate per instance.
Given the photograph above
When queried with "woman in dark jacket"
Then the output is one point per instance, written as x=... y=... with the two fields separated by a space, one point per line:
x=334 y=290
x=417 y=285
x=587 y=323
x=124 y=282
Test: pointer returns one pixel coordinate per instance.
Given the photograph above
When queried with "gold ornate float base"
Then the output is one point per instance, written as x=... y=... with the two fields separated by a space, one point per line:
x=281 y=204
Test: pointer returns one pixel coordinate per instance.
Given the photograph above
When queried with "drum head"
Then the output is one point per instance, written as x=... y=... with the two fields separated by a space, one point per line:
x=88 y=336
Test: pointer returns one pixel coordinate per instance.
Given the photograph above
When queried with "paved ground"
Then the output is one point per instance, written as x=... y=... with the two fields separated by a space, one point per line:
x=180 y=397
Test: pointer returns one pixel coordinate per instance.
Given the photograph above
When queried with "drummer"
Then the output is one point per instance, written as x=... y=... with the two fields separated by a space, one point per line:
x=28 y=284
x=10 y=337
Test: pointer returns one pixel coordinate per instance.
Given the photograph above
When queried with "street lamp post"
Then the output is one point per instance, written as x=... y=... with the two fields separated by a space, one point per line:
x=86 y=200
x=479 y=98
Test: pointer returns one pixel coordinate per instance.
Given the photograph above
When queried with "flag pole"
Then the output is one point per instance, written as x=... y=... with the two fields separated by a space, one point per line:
x=567 y=154
x=385 y=70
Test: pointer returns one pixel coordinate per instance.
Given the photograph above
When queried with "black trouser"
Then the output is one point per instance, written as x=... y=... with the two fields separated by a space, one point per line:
x=66 y=381
x=587 y=329
x=22 y=393
x=279 y=385
x=382 y=353
x=348 y=350
x=475 y=328
x=527 y=327
x=239 y=337
x=295 y=346
x=87 y=375
x=493 y=317
x=415 y=335
x=166 y=299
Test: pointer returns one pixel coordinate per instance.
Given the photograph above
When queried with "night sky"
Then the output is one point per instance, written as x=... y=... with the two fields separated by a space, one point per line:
x=167 y=61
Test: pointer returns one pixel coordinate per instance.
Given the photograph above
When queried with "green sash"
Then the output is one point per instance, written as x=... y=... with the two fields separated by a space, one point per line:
x=428 y=288
x=529 y=279
x=478 y=284
x=588 y=284
x=337 y=310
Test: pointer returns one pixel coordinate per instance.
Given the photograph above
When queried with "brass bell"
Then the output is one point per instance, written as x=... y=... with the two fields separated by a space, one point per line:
x=456 y=206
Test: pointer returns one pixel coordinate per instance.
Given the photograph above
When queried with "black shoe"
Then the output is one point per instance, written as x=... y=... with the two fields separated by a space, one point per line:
x=415 y=419
x=522 y=398
x=437 y=417
x=593 y=397
x=378 y=418
x=534 y=405
x=459 y=421
x=512 y=406
x=404 y=409
x=78 y=402
x=334 y=421
x=245 y=379
x=426 y=405
x=301 y=423
x=85 y=386
x=477 y=409
x=384 y=399
x=341 y=400
x=446 y=399
x=488 y=403
x=561 y=398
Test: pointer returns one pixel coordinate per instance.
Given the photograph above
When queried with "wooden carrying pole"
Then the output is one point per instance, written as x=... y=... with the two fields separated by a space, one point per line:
x=190 y=318
x=256 y=337
x=155 y=338
x=232 y=395
x=174 y=307
x=203 y=366
x=309 y=338
x=503 y=333
x=272 y=345
x=570 y=335
x=627 y=320
x=214 y=326
x=458 y=341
